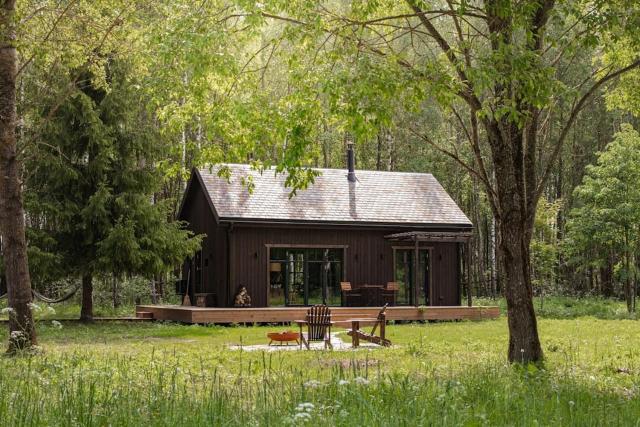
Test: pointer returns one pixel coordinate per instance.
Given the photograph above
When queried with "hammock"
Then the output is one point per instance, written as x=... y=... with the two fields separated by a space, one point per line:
x=39 y=296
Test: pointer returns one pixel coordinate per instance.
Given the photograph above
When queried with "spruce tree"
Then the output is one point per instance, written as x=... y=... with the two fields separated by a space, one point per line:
x=92 y=186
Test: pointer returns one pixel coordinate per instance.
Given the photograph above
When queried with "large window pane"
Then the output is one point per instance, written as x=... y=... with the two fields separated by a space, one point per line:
x=404 y=270
x=403 y=275
x=277 y=282
x=305 y=276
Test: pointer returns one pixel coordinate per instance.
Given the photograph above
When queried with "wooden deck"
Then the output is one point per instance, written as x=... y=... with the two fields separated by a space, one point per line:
x=288 y=314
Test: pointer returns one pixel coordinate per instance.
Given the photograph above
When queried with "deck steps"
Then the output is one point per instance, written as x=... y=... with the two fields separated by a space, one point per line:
x=144 y=315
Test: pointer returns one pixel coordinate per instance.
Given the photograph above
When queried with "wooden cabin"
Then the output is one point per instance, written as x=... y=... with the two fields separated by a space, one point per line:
x=356 y=238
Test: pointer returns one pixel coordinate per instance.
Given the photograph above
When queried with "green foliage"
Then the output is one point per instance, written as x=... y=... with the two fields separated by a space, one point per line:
x=545 y=246
x=607 y=215
x=606 y=220
x=91 y=190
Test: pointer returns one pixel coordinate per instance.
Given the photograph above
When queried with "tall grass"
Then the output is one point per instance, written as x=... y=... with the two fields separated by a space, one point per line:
x=452 y=373
x=437 y=374
x=80 y=389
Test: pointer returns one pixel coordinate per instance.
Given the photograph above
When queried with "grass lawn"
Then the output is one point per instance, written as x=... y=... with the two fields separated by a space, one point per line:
x=437 y=374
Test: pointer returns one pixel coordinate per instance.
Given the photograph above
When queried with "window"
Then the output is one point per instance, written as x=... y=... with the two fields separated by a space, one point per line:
x=305 y=276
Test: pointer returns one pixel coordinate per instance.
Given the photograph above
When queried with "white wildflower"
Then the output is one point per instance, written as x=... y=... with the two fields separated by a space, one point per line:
x=51 y=310
x=35 y=307
x=56 y=324
x=302 y=416
x=361 y=381
x=7 y=310
x=343 y=382
x=312 y=384
x=17 y=335
x=305 y=407
x=571 y=403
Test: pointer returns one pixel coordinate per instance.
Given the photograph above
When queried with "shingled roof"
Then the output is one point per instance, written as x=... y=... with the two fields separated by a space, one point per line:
x=377 y=198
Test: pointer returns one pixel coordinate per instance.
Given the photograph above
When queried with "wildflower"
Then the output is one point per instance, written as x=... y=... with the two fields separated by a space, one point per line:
x=305 y=407
x=17 y=335
x=303 y=416
x=343 y=382
x=56 y=324
x=51 y=310
x=312 y=384
x=7 y=310
x=571 y=403
x=33 y=306
x=361 y=381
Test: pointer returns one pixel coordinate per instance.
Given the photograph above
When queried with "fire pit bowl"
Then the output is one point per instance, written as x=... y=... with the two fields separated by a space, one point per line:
x=283 y=337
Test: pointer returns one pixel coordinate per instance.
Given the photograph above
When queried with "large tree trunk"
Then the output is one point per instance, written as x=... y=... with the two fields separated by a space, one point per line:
x=12 y=222
x=524 y=343
x=517 y=206
x=86 y=312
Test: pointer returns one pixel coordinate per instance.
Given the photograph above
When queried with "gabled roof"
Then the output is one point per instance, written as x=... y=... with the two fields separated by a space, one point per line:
x=377 y=198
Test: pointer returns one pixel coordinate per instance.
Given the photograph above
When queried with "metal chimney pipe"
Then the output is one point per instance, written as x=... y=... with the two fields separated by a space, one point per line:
x=351 y=163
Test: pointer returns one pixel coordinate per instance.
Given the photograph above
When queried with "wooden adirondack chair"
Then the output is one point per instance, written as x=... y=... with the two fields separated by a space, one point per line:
x=318 y=323
x=381 y=321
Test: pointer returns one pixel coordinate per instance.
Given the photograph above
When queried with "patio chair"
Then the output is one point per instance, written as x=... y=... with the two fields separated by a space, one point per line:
x=350 y=297
x=318 y=323
x=380 y=320
x=390 y=293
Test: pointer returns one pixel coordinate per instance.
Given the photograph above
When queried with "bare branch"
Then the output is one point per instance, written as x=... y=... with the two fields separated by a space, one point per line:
x=449 y=154
x=466 y=93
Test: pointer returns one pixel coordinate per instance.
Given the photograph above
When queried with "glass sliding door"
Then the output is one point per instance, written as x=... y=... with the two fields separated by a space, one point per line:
x=305 y=276
x=424 y=277
x=404 y=270
x=404 y=276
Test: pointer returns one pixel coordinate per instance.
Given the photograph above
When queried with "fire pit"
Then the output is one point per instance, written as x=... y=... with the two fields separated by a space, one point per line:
x=284 y=338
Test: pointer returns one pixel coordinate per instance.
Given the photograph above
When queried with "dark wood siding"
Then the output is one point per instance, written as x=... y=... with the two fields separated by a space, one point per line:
x=214 y=246
x=444 y=274
x=369 y=258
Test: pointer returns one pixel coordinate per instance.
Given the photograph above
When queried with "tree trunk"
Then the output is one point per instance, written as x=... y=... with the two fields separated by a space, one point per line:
x=153 y=288
x=114 y=292
x=12 y=223
x=379 y=151
x=606 y=278
x=524 y=343
x=86 y=312
x=516 y=189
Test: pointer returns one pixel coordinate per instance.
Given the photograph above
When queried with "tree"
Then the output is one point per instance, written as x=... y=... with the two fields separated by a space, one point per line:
x=12 y=225
x=498 y=67
x=47 y=25
x=607 y=216
x=93 y=185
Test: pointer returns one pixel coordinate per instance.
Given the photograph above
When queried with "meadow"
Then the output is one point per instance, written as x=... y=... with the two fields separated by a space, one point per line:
x=452 y=373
